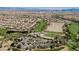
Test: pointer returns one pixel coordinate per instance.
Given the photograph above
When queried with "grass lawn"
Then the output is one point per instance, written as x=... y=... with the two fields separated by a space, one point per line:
x=3 y=31
x=54 y=34
x=73 y=43
x=73 y=29
x=14 y=35
x=41 y=25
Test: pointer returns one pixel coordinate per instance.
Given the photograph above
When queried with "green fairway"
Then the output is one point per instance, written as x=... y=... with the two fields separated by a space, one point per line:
x=3 y=31
x=73 y=29
x=73 y=43
x=54 y=34
x=14 y=35
x=41 y=25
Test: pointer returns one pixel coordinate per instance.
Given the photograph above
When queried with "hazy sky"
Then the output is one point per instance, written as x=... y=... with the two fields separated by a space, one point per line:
x=59 y=8
x=50 y=8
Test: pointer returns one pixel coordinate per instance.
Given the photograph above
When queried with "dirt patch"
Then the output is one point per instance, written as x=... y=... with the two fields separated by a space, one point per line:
x=5 y=45
x=55 y=27
x=65 y=48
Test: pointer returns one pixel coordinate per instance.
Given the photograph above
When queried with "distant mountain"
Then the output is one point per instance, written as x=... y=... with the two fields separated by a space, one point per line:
x=33 y=9
x=41 y=9
x=71 y=10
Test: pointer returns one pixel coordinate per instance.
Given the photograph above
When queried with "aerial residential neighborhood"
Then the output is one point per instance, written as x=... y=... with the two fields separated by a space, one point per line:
x=39 y=29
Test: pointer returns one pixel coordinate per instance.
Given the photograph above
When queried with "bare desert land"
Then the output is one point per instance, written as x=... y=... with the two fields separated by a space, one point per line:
x=55 y=27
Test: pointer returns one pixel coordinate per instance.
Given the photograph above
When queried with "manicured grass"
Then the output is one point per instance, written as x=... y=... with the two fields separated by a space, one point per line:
x=3 y=31
x=54 y=34
x=73 y=43
x=14 y=35
x=41 y=25
x=73 y=29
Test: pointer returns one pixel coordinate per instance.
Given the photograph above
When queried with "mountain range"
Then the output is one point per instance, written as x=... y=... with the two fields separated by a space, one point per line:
x=41 y=9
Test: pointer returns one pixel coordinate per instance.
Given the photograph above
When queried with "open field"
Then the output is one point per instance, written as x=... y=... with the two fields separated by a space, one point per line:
x=55 y=27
